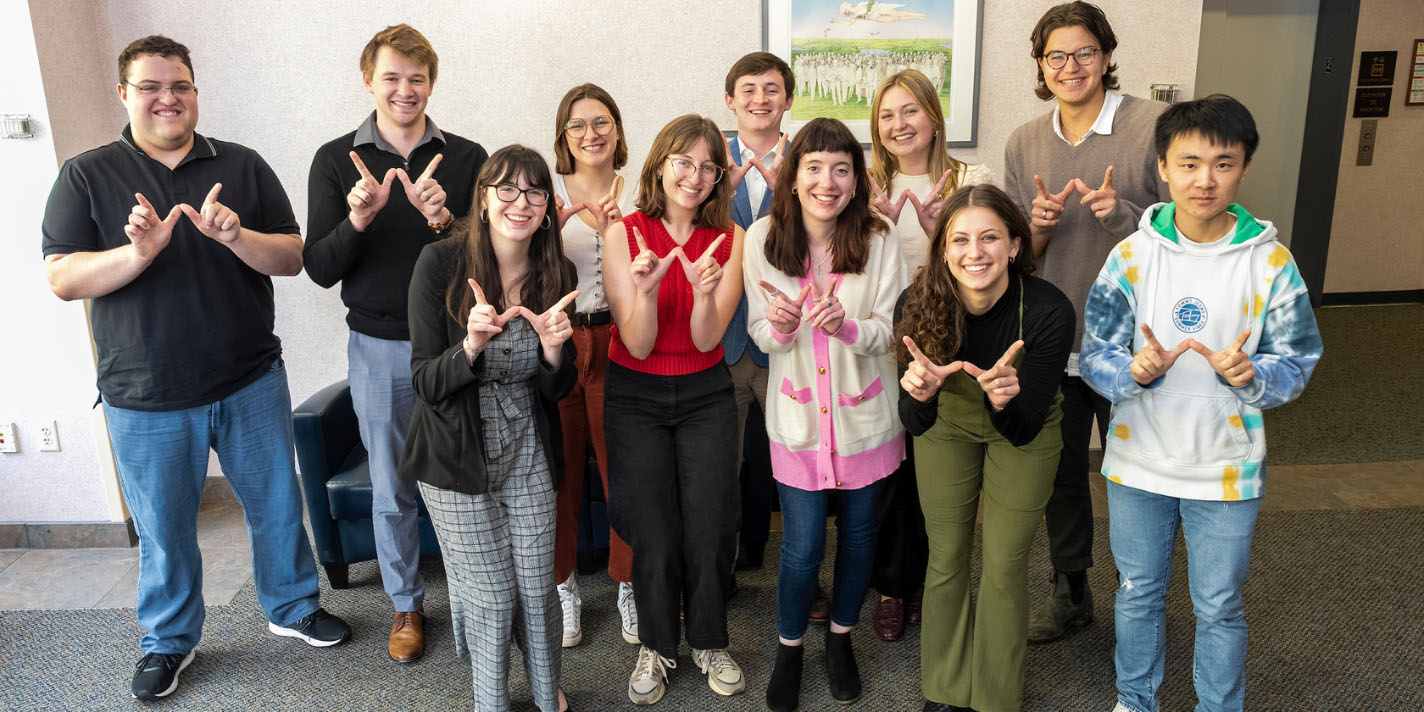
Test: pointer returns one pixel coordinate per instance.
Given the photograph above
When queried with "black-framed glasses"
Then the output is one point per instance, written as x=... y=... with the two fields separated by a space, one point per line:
x=578 y=127
x=1084 y=56
x=509 y=192
x=154 y=88
x=684 y=168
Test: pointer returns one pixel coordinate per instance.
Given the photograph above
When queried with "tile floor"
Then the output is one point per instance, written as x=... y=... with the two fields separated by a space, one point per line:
x=106 y=578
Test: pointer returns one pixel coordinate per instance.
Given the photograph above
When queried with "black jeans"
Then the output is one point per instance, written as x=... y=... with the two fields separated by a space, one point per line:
x=1069 y=515
x=902 y=551
x=674 y=497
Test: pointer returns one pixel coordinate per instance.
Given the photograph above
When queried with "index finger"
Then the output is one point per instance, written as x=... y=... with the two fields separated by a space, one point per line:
x=563 y=304
x=940 y=185
x=1151 y=339
x=801 y=297
x=213 y=194
x=1009 y=355
x=711 y=250
x=638 y=238
x=361 y=167
x=617 y=188
x=479 y=293
x=835 y=284
x=430 y=169
x=144 y=202
x=773 y=291
x=1240 y=341
x=1107 y=179
x=1037 y=183
x=916 y=353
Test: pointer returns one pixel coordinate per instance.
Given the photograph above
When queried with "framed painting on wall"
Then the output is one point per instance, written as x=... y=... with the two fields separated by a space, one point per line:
x=842 y=51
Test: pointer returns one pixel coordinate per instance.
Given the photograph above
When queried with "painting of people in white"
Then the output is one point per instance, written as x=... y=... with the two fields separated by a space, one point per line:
x=842 y=51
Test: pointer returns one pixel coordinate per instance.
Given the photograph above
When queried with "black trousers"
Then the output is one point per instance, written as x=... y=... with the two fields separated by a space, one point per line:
x=758 y=487
x=1069 y=515
x=902 y=551
x=674 y=497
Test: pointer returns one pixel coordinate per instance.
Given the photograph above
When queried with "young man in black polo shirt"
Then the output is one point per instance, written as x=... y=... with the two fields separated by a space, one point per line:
x=173 y=236
x=366 y=232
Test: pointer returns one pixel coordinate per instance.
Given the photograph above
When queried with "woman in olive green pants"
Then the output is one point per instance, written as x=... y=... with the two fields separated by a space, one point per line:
x=986 y=424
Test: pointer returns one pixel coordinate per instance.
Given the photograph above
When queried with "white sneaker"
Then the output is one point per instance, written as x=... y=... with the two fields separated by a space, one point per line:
x=573 y=609
x=1120 y=707
x=628 y=611
x=723 y=674
x=649 y=679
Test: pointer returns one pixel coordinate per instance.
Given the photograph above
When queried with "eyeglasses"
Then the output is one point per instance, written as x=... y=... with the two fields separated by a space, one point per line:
x=509 y=192
x=1085 y=57
x=154 y=88
x=578 y=127
x=683 y=168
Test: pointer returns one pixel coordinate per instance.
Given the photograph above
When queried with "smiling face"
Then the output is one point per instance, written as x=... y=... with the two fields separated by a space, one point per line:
x=591 y=148
x=1203 y=178
x=1072 y=83
x=905 y=128
x=517 y=220
x=759 y=100
x=162 y=121
x=401 y=86
x=688 y=193
x=977 y=251
x=825 y=183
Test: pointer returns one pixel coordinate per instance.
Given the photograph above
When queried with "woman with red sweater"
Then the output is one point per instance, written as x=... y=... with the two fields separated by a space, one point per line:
x=674 y=278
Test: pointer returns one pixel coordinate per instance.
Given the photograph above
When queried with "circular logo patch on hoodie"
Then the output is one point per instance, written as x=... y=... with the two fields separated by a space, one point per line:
x=1189 y=315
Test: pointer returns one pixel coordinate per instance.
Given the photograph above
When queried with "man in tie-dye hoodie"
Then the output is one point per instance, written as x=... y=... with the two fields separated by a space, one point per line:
x=1196 y=323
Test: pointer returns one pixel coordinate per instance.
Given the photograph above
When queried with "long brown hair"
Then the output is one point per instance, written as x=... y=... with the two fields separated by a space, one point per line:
x=884 y=165
x=933 y=314
x=547 y=281
x=678 y=137
x=786 y=247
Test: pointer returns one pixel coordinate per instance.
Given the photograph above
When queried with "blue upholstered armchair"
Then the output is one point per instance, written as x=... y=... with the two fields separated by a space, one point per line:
x=337 y=484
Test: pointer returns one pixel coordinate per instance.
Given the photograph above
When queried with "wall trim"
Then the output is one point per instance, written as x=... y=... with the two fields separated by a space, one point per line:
x=92 y=535
x=1402 y=296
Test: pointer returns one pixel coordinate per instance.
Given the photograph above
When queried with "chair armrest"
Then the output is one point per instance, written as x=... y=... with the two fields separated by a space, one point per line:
x=325 y=432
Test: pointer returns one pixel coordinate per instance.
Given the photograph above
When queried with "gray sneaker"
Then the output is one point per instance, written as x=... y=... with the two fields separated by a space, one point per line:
x=724 y=676
x=1057 y=615
x=649 y=679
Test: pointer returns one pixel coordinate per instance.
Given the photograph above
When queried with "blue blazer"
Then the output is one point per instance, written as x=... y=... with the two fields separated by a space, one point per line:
x=735 y=339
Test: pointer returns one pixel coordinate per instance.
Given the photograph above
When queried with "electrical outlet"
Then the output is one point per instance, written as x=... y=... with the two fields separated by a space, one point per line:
x=8 y=443
x=49 y=437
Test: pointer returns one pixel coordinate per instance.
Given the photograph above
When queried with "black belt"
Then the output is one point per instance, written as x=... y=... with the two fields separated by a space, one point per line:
x=593 y=318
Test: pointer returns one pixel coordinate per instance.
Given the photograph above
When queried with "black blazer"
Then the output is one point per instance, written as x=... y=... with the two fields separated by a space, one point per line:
x=445 y=445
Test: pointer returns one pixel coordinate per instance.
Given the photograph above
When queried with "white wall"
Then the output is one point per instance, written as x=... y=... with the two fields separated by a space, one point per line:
x=1277 y=39
x=282 y=77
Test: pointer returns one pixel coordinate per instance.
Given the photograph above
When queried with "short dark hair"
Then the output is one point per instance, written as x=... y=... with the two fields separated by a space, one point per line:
x=758 y=63
x=1220 y=118
x=152 y=44
x=1073 y=14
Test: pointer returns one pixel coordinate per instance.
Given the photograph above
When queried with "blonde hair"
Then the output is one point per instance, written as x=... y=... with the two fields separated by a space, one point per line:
x=883 y=165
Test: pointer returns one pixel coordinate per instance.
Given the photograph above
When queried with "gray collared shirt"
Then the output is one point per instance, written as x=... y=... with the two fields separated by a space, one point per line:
x=367 y=133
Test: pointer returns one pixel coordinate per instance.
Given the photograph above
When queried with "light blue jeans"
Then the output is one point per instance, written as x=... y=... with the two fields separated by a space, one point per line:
x=383 y=397
x=162 y=460
x=1143 y=528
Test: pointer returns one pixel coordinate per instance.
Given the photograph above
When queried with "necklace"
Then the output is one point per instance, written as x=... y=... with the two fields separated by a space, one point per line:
x=819 y=266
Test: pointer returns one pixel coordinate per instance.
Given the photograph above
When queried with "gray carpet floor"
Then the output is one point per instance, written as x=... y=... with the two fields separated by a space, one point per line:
x=1363 y=403
x=1335 y=603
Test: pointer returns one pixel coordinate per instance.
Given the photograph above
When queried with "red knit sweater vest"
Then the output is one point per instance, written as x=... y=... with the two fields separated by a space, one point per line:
x=673 y=352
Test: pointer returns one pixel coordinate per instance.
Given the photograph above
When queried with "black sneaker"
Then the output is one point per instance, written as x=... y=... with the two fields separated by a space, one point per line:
x=157 y=674
x=320 y=629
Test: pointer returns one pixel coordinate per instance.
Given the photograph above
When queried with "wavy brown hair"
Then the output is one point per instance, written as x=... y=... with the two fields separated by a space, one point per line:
x=548 y=279
x=1088 y=16
x=563 y=158
x=933 y=314
x=677 y=138
x=885 y=165
x=786 y=247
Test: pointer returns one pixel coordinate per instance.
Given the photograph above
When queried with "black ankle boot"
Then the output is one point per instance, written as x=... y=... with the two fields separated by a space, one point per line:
x=783 y=691
x=841 y=670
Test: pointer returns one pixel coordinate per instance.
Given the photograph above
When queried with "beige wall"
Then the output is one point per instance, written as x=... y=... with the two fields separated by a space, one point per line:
x=1243 y=43
x=1375 y=237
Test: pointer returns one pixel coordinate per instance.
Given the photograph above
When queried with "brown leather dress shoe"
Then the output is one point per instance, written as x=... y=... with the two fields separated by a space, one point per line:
x=889 y=620
x=407 y=637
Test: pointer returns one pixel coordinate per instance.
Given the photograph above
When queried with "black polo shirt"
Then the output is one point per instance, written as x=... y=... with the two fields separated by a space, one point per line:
x=196 y=326
x=375 y=266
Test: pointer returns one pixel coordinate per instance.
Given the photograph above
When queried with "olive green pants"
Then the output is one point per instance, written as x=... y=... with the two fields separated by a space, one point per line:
x=973 y=657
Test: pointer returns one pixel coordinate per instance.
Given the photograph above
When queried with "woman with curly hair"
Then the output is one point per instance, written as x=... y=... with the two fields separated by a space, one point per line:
x=984 y=344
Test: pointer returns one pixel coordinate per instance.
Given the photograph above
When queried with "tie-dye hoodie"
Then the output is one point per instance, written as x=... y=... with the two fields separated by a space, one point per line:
x=1189 y=434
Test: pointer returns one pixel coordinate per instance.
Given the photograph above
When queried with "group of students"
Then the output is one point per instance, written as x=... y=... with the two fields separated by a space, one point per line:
x=505 y=319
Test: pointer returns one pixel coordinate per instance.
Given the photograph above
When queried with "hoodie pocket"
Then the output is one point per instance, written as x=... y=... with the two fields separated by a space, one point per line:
x=1183 y=429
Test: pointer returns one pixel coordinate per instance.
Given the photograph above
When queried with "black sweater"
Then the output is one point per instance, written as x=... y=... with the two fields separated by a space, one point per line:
x=374 y=267
x=445 y=445
x=1048 y=324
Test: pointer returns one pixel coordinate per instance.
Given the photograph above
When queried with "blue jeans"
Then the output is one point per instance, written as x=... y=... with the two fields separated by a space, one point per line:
x=1143 y=529
x=162 y=460
x=383 y=397
x=803 y=545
